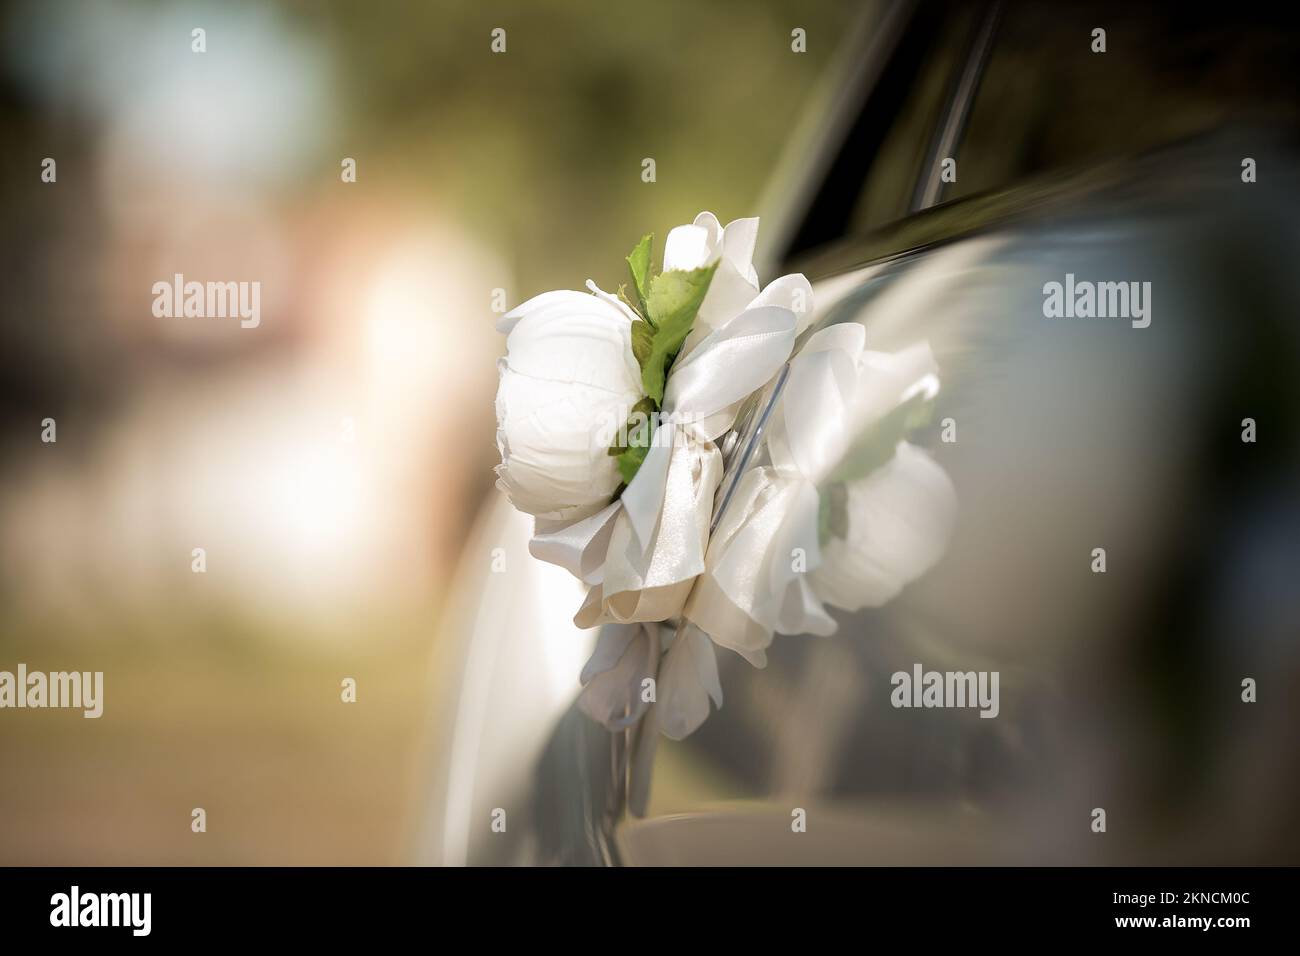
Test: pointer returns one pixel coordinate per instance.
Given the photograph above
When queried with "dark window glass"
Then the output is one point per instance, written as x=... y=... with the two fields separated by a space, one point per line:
x=893 y=170
x=870 y=181
x=1047 y=101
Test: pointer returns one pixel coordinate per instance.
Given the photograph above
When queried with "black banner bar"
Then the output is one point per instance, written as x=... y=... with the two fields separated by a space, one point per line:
x=573 y=905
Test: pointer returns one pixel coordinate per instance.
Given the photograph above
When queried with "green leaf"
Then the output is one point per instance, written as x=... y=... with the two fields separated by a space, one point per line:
x=875 y=447
x=643 y=335
x=872 y=449
x=675 y=295
x=833 y=512
x=639 y=262
x=639 y=432
x=674 y=299
x=640 y=413
x=629 y=462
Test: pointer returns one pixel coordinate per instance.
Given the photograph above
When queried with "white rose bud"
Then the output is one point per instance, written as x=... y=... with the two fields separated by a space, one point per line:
x=568 y=382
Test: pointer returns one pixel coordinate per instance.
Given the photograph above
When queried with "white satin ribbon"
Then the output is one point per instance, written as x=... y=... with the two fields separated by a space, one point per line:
x=642 y=552
x=758 y=562
x=679 y=662
x=764 y=560
x=658 y=538
x=578 y=547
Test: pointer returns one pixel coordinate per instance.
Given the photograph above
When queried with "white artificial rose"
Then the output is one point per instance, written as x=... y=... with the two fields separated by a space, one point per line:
x=735 y=284
x=901 y=515
x=613 y=680
x=568 y=381
x=635 y=666
x=900 y=519
x=768 y=569
x=739 y=340
x=705 y=241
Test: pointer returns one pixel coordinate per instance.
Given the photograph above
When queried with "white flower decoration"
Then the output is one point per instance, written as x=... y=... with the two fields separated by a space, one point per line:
x=769 y=571
x=632 y=520
x=568 y=373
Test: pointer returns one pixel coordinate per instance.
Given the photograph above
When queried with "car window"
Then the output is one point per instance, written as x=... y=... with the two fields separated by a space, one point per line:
x=892 y=172
x=1047 y=101
x=871 y=178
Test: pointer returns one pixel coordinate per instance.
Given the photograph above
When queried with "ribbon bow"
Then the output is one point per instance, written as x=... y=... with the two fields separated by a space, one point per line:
x=642 y=552
x=759 y=579
x=767 y=542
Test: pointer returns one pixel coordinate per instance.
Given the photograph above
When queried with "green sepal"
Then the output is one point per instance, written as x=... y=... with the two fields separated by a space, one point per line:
x=638 y=261
x=639 y=434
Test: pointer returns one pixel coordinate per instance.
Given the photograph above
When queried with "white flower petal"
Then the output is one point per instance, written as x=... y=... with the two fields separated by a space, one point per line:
x=793 y=292
x=729 y=295
x=625 y=656
x=568 y=381
x=709 y=222
x=802 y=612
x=738 y=241
x=575 y=337
x=508 y=321
x=812 y=428
x=733 y=600
x=611 y=644
x=688 y=678
x=900 y=520
x=887 y=378
x=555 y=455
x=689 y=247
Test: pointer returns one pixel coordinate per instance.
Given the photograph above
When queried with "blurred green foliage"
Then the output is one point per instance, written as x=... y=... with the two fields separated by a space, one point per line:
x=540 y=148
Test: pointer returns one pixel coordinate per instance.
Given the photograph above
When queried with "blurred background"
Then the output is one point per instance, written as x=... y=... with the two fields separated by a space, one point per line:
x=330 y=461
